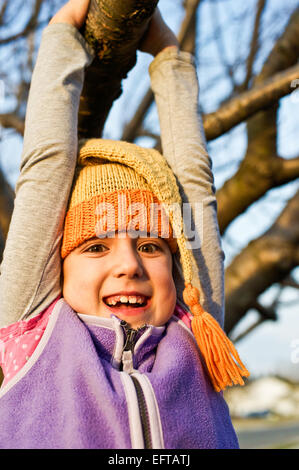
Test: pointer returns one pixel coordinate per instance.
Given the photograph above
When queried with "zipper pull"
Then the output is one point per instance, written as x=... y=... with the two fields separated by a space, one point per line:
x=130 y=336
x=130 y=341
x=127 y=355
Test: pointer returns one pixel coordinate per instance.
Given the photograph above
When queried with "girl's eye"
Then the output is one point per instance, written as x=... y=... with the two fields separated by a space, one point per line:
x=149 y=248
x=99 y=248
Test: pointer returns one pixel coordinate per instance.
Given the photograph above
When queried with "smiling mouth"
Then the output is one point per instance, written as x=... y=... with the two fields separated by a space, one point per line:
x=126 y=301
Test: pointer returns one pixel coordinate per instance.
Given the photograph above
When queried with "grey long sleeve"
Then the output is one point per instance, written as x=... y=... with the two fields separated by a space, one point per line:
x=175 y=85
x=31 y=266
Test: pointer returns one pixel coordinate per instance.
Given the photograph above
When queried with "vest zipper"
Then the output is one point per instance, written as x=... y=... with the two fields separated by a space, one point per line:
x=143 y=411
x=143 y=415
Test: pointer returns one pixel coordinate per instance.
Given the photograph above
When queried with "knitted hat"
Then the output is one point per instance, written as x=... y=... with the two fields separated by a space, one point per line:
x=112 y=177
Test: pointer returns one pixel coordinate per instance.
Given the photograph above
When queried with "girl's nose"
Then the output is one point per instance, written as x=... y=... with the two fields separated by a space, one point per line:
x=127 y=261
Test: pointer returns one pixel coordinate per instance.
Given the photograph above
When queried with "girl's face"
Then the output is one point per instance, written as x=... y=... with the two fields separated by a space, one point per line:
x=128 y=277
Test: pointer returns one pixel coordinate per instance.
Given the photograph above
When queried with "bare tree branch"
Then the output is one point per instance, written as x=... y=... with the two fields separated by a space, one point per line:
x=289 y=170
x=246 y=104
x=267 y=260
x=29 y=27
x=266 y=314
x=259 y=170
x=2 y=11
x=285 y=51
x=289 y=281
x=11 y=120
x=218 y=39
x=254 y=43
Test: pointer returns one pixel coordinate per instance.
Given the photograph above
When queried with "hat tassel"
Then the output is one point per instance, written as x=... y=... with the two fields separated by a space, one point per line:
x=222 y=360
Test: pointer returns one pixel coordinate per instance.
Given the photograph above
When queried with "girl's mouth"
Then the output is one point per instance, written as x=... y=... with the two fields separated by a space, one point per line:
x=132 y=304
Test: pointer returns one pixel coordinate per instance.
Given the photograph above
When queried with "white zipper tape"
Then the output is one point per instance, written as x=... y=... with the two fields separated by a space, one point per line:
x=153 y=410
x=133 y=412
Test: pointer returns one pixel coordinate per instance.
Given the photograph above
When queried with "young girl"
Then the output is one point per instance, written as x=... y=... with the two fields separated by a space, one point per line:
x=98 y=351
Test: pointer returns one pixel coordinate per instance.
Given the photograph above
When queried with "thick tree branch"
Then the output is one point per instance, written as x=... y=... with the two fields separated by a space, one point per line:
x=114 y=31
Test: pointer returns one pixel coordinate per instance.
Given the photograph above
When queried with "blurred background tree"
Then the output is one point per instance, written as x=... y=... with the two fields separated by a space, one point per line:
x=247 y=62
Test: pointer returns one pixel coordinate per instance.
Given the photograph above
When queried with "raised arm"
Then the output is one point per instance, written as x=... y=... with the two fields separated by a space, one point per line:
x=31 y=267
x=175 y=85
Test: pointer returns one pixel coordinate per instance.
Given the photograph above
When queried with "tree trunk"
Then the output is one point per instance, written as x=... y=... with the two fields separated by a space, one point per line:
x=114 y=31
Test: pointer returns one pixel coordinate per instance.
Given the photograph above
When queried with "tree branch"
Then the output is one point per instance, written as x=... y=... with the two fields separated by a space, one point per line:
x=29 y=27
x=114 y=30
x=248 y=103
x=267 y=260
x=2 y=11
x=285 y=51
x=289 y=170
x=289 y=281
x=254 y=44
x=266 y=313
x=259 y=170
x=11 y=120
x=222 y=56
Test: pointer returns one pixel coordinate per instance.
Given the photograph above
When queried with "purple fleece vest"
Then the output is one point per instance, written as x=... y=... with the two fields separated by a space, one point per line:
x=79 y=390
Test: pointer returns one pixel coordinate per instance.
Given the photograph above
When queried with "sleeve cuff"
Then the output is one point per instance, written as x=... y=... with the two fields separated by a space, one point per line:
x=172 y=54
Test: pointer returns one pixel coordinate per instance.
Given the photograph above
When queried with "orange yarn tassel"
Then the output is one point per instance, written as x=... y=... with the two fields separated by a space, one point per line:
x=222 y=360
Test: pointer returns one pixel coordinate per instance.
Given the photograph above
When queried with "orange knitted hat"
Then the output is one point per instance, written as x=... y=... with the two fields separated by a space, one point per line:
x=109 y=196
x=121 y=186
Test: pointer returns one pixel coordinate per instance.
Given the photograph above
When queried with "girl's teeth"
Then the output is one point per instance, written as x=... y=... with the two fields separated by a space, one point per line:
x=126 y=299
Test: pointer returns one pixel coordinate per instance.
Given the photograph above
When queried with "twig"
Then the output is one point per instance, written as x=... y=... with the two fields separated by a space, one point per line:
x=254 y=43
x=29 y=27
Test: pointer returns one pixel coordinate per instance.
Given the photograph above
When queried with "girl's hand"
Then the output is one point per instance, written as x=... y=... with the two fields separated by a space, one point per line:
x=158 y=36
x=74 y=12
